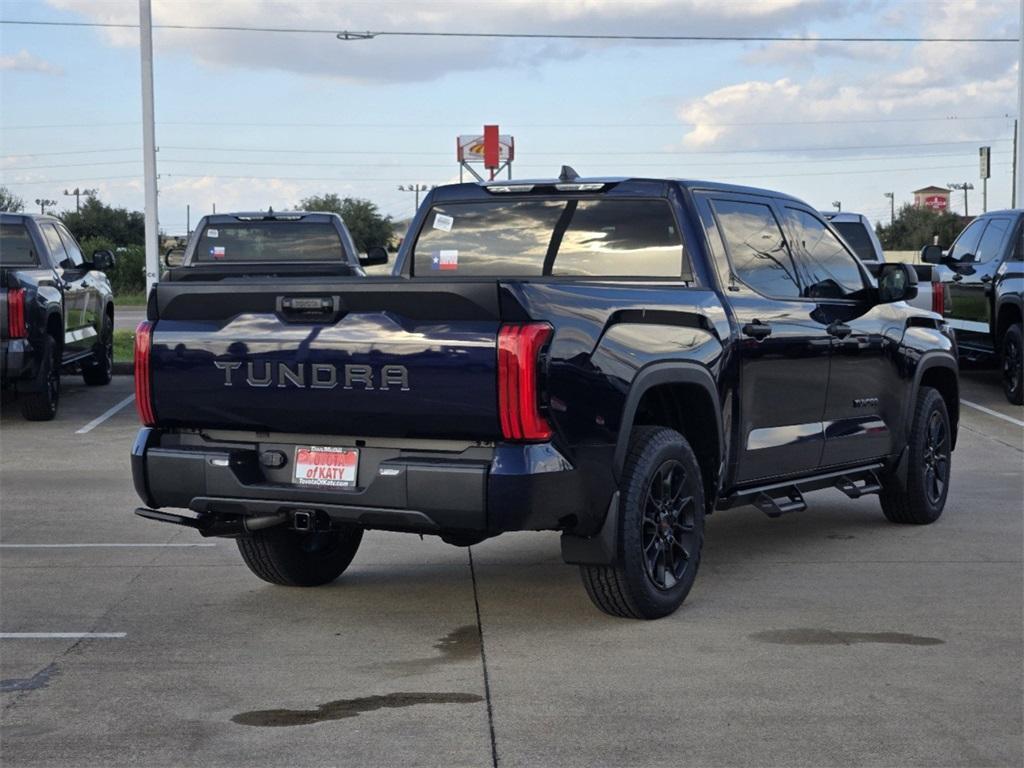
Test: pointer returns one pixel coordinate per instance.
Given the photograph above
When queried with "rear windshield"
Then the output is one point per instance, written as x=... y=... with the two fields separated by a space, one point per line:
x=16 y=245
x=591 y=238
x=262 y=241
x=857 y=237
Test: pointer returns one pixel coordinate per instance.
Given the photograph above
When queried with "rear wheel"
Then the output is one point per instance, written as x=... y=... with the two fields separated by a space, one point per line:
x=661 y=530
x=292 y=559
x=1011 y=358
x=41 y=404
x=920 y=499
x=99 y=371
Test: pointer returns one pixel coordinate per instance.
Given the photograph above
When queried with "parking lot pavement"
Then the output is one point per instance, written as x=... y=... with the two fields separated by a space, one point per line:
x=829 y=637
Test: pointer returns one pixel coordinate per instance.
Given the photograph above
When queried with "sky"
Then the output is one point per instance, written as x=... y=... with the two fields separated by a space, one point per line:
x=247 y=120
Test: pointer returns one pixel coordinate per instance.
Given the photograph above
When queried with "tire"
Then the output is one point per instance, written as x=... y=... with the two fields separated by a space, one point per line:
x=921 y=498
x=292 y=559
x=661 y=529
x=41 y=405
x=100 y=370
x=1011 y=361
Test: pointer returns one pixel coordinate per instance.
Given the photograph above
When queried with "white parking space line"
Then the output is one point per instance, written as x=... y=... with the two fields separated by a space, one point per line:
x=104 y=416
x=990 y=412
x=62 y=635
x=101 y=545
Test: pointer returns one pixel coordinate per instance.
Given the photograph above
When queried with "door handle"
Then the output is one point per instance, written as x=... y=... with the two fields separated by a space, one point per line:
x=957 y=278
x=986 y=278
x=757 y=330
x=838 y=330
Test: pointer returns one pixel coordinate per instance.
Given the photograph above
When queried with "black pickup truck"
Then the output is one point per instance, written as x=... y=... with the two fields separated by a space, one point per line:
x=56 y=311
x=983 y=286
x=611 y=358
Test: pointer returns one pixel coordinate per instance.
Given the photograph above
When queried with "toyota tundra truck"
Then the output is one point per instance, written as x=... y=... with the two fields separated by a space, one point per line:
x=610 y=358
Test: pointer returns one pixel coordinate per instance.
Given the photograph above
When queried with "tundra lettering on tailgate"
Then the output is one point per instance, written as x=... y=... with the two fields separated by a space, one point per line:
x=316 y=375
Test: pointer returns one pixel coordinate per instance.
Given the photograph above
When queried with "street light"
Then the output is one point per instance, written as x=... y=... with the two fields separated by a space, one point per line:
x=837 y=205
x=892 y=207
x=77 y=193
x=42 y=202
x=964 y=186
x=417 y=188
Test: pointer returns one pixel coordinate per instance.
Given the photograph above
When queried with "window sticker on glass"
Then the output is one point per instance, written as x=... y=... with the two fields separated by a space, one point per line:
x=217 y=252
x=445 y=260
x=212 y=233
x=442 y=222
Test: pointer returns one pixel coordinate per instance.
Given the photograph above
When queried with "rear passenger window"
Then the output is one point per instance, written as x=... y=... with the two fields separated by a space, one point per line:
x=831 y=271
x=55 y=245
x=757 y=248
x=991 y=245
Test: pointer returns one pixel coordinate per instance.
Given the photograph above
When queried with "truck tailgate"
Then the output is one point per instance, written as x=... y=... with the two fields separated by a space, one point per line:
x=350 y=356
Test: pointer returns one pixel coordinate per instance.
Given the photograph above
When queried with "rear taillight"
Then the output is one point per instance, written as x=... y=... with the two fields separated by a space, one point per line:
x=143 y=388
x=16 y=313
x=940 y=297
x=519 y=347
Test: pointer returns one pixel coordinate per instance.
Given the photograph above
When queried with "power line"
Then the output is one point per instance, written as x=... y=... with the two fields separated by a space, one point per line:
x=351 y=35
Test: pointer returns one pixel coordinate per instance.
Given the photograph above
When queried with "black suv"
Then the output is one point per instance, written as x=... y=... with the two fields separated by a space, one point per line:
x=611 y=358
x=56 y=311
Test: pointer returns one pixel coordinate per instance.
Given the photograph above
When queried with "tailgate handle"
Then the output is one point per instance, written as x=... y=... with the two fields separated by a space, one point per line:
x=299 y=309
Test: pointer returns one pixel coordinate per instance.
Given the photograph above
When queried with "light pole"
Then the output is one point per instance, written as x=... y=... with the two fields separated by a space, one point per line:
x=417 y=188
x=76 y=193
x=892 y=207
x=152 y=237
x=42 y=202
x=964 y=186
x=837 y=205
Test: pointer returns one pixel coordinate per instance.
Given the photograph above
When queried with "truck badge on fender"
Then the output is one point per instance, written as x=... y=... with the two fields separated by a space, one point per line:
x=315 y=375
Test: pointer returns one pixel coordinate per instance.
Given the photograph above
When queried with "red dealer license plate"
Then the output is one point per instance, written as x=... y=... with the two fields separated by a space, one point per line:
x=327 y=466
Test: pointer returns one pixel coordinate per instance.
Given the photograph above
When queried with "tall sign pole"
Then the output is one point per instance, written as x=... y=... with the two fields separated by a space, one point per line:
x=1018 y=165
x=149 y=143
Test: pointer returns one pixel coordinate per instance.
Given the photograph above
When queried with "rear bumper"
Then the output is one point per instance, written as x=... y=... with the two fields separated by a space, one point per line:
x=479 y=489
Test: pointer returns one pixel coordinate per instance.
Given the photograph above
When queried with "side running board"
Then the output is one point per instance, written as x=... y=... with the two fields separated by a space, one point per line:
x=777 y=499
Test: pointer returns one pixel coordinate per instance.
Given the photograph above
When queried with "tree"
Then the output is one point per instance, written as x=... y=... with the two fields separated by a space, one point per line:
x=916 y=227
x=96 y=219
x=10 y=202
x=363 y=219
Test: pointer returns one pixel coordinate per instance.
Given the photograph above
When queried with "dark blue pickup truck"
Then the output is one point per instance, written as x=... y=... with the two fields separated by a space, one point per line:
x=610 y=358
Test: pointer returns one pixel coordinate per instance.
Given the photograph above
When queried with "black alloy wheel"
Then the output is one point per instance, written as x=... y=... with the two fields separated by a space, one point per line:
x=1012 y=360
x=667 y=532
x=936 y=458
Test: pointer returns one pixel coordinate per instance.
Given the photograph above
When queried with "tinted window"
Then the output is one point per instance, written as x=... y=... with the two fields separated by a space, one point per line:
x=588 y=238
x=262 y=241
x=830 y=270
x=757 y=248
x=56 y=246
x=73 y=251
x=856 y=236
x=992 y=241
x=966 y=246
x=16 y=245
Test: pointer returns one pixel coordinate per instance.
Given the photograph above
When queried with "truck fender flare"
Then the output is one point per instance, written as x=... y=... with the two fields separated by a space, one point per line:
x=929 y=361
x=655 y=374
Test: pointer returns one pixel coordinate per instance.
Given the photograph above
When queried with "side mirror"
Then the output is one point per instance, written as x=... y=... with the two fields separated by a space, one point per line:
x=374 y=256
x=174 y=257
x=931 y=254
x=103 y=260
x=896 y=282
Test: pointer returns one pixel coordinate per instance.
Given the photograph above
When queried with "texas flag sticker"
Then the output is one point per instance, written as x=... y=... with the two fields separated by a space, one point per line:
x=444 y=260
x=217 y=252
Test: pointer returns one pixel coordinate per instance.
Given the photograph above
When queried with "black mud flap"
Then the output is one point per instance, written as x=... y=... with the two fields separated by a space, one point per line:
x=600 y=549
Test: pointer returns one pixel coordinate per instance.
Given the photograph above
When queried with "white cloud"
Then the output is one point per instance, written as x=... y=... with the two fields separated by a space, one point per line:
x=390 y=59
x=23 y=61
x=929 y=80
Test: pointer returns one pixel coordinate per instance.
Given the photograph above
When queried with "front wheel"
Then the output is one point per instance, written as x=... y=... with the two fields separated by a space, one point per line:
x=292 y=559
x=661 y=529
x=1011 y=358
x=99 y=371
x=920 y=499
